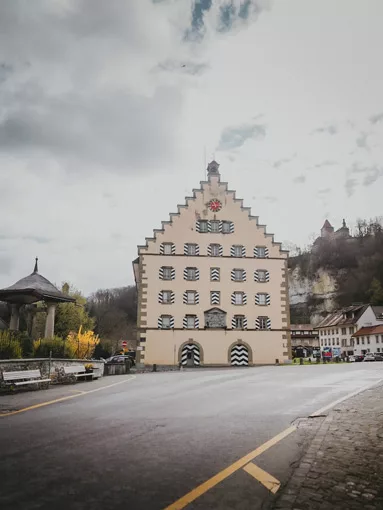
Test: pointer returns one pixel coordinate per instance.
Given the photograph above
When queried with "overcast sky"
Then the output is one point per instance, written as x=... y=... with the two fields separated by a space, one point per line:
x=106 y=109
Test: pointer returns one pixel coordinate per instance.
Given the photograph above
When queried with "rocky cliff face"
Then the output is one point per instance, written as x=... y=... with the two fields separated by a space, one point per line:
x=311 y=296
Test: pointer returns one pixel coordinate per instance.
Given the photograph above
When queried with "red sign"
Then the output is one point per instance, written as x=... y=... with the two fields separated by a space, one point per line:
x=124 y=343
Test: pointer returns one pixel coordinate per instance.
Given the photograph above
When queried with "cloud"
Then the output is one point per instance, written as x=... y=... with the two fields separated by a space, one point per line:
x=371 y=172
x=75 y=85
x=187 y=67
x=235 y=136
x=374 y=119
x=331 y=129
x=270 y=199
x=6 y=264
x=361 y=141
x=327 y=162
x=323 y=192
x=350 y=186
x=300 y=179
x=283 y=161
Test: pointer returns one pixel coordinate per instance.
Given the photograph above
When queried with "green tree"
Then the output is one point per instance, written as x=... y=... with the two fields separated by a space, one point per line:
x=375 y=292
x=69 y=316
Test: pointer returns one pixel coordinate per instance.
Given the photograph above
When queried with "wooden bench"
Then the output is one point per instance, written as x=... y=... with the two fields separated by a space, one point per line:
x=22 y=377
x=76 y=370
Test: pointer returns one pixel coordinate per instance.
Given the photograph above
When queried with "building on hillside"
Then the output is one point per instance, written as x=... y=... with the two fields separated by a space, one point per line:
x=368 y=339
x=328 y=233
x=336 y=330
x=304 y=337
x=212 y=285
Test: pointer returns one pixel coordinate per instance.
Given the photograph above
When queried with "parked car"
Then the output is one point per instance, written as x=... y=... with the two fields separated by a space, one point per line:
x=359 y=357
x=121 y=358
x=378 y=356
x=369 y=357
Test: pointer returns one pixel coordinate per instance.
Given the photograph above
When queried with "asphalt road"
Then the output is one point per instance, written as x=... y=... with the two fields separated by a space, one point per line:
x=143 y=443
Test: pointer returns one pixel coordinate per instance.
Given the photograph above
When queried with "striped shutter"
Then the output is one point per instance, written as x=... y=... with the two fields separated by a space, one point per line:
x=196 y=322
x=266 y=252
x=185 y=298
x=185 y=322
x=161 y=297
x=209 y=250
x=243 y=275
x=173 y=249
x=185 y=273
x=233 y=325
x=256 y=277
x=231 y=227
x=244 y=298
x=257 y=298
x=243 y=251
x=186 y=249
x=197 y=226
x=233 y=279
x=197 y=274
x=256 y=251
x=215 y=298
x=173 y=273
x=233 y=275
x=220 y=227
x=162 y=248
x=220 y=250
x=258 y=323
x=232 y=251
x=161 y=273
x=214 y=274
x=208 y=226
x=159 y=322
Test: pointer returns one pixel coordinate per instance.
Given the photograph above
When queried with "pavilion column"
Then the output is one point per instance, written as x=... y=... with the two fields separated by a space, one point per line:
x=15 y=318
x=50 y=322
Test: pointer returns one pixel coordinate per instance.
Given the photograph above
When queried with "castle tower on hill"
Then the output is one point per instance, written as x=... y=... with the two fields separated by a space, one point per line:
x=212 y=285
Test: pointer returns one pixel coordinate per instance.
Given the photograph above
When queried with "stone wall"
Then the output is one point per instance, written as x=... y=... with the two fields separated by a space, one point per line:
x=48 y=368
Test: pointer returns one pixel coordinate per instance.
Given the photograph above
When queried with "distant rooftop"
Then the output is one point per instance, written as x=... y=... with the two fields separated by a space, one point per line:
x=346 y=316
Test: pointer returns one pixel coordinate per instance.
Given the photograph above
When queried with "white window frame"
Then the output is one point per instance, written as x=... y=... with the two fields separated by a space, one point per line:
x=226 y=227
x=167 y=317
x=191 y=293
x=262 y=319
x=262 y=297
x=164 y=293
x=214 y=247
x=194 y=270
x=164 y=270
x=261 y=252
x=238 y=250
x=191 y=247
x=188 y=318
x=240 y=271
x=238 y=295
x=205 y=228
x=239 y=318
x=260 y=272
x=215 y=224
x=167 y=247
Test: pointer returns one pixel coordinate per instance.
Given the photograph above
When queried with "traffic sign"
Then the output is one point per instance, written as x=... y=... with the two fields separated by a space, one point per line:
x=124 y=343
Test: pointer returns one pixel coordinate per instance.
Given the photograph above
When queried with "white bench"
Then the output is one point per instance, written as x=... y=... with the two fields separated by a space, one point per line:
x=22 y=377
x=77 y=371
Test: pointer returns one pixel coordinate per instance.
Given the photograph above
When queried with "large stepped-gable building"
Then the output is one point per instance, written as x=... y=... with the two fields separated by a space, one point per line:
x=212 y=285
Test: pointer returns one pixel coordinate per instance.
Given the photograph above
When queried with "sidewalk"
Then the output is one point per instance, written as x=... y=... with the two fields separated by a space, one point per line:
x=343 y=466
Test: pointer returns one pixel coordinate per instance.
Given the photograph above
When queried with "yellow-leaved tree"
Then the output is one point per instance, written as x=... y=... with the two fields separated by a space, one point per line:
x=82 y=343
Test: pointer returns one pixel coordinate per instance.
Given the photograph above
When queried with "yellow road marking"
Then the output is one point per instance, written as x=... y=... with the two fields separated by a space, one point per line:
x=219 y=477
x=62 y=399
x=265 y=478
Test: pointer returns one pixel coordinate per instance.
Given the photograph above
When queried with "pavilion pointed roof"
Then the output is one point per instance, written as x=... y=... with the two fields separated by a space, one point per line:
x=327 y=224
x=33 y=288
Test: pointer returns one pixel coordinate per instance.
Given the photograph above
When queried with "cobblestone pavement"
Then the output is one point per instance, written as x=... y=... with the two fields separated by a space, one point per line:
x=343 y=466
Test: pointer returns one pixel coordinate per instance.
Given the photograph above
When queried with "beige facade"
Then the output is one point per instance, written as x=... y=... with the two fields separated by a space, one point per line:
x=235 y=309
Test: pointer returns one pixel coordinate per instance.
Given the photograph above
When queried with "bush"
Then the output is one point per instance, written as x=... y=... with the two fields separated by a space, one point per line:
x=57 y=345
x=10 y=346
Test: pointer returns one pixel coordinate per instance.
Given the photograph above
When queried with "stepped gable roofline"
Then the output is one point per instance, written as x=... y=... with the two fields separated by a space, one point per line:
x=143 y=247
x=369 y=330
x=33 y=288
x=340 y=318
